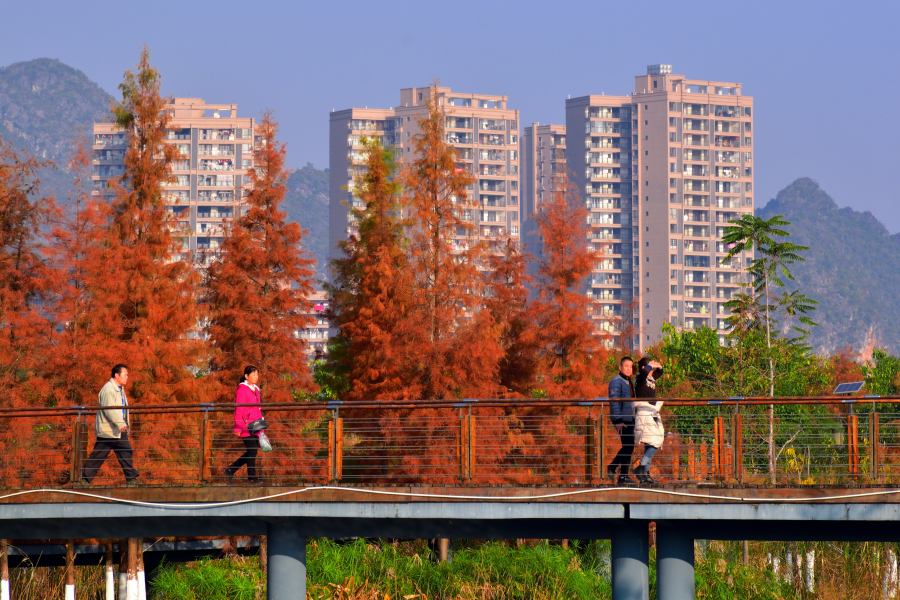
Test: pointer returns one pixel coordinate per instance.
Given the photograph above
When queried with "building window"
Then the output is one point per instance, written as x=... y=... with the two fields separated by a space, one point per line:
x=646 y=138
x=748 y=187
x=747 y=142
x=673 y=198
x=672 y=136
x=673 y=260
x=674 y=290
x=672 y=167
x=672 y=182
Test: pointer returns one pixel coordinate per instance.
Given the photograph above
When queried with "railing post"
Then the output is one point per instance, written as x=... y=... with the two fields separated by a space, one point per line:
x=590 y=467
x=853 y=445
x=719 y=447
x=205 y=446
x=601 y=442
x=737 y=449
x=335 y=448
x=470 y=450
x=874 y=430
x=79 y=446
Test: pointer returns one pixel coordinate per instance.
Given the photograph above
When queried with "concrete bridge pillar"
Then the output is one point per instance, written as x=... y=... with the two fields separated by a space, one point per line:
x=286 y=575
x=674 y=563
x=629 y=560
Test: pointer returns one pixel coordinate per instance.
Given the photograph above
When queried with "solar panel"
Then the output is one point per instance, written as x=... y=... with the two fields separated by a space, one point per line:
x=849 y=388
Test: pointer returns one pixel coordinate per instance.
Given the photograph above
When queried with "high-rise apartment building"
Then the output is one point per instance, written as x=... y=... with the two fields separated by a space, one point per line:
x=663 y=171
x=543 y=156
x=484 y=130
x=217 y=150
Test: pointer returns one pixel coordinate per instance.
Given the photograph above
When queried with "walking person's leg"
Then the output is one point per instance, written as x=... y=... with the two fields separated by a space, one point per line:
x=125 y=454
x=102 y=448
x=251 y=445
x=643 y=470
x=623 y=458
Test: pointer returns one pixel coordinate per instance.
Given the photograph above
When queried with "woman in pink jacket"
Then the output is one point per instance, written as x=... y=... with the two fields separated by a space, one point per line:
x=248 y=396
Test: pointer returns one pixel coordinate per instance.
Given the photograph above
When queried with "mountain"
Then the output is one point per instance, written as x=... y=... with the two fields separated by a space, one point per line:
x=306 y=203
x=852 y=268
x=44 y=106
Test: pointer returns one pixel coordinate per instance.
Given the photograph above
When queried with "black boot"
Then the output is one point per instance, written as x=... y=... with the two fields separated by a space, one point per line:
x=643 y=475
x=624 y=479
x=611 y=474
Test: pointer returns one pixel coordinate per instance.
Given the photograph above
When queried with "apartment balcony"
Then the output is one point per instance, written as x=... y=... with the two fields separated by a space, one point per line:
x=216 y=134
x=605 y=142
x=465 y=168
x=726 y=141
x=608 y=188
x=604 y=173
x=180 y=165
x=693 y=139
x=692 y=200
x=455 y=137
x=696 y=277
x=696 y=292
x=726 y=202
x=728 y=157
x=699 y=262
x=209 y=243
x=492 y=170
x=215 y=196
x=607 y=203
x=728 y=187
x=109 y=155
x=108 y=170
x=696 y=216
x=177 y=197
x=370 y=125
x=215 y=181
x=221 y=164
x=607 y=127
x=110 y=139
x=733 y=112
x=696 y=170
x=700 y=110
x=695 y=231
x=491 y=139
x=696 y=308
x=459 y=123
x=178 y=134
x=493 y=201
x=210 y=150
x=694 y=323
x=493 y=232
x=728 y=126
x=487 y=185
x=696 y=155
x=214 y=213
x=695 y=246
x=693 y=185
x=209 y=229
x=609 y=234
x=607 y=219
x=607 y=112
x=605 y=294
x=728 y=172
x=621 y=158
x=611 y=264
x=492 y=154
x=492 y=125
x=696 y=125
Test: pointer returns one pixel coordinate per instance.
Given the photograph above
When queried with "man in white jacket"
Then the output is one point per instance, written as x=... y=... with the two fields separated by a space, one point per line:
x=648 y=427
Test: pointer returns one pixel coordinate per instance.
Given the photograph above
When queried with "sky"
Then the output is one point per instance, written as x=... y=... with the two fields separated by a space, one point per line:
x=819 y=72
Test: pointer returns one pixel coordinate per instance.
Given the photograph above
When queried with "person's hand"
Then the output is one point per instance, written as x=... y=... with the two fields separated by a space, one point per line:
x=619 y=428
x=123 y=428
x=655 y=365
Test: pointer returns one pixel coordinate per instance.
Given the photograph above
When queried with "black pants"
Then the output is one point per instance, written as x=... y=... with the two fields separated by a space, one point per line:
x=102 y=448
x=623 y=458
x=247 y=458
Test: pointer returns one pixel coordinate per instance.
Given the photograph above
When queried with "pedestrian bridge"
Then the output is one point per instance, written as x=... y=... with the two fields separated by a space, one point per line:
x=807 y=469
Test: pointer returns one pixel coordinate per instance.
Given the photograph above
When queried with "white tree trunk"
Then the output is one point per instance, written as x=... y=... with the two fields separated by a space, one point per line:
x=110 y=583
x=889 y=579
x=811 y=571
x=70 y=591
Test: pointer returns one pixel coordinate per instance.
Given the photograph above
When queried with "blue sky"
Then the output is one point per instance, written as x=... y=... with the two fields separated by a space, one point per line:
x=823 y=74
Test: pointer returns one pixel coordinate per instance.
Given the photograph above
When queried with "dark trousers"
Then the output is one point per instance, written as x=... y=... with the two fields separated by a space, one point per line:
x=623 y=458
x=247 y=458
x=102 y=448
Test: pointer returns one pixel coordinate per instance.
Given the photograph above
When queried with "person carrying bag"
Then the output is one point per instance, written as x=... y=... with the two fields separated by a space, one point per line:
x=648 y=426
x=249 y=425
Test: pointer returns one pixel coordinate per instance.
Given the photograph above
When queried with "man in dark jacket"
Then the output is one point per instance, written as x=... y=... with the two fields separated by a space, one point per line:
x=621 y=393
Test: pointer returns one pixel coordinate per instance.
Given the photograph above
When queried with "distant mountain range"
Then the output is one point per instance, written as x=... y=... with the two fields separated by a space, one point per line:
x=852 y=267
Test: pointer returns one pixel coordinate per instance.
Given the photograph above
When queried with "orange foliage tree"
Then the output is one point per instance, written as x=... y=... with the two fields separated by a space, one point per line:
x=83 y=354
x=258 y=288
x=458 y=347
x=571 y=357
x=145 y=291
x=25 y=277
x=370 y=292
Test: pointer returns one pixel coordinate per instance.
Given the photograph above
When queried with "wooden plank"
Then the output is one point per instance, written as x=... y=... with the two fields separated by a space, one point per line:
x=339 y=449
x=874 y=435
x=205 y=448
x=853 y=445
x=737 y=447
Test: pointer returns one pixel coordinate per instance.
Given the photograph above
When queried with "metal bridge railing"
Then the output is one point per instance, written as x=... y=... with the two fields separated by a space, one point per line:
x=567 y=442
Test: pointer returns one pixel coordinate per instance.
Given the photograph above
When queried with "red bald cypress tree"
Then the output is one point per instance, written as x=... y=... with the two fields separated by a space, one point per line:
x=25 y=278
x=146 y=307
x=571 y=357
x=458 y=348
x=371 y=288
x=258 y=288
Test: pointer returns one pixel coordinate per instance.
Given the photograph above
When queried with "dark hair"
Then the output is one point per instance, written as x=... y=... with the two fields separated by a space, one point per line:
x=247 y=370
x=117 y=370
x=644 y=361
x=624 y=358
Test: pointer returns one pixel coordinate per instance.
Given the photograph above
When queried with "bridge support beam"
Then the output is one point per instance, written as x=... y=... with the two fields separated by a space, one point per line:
x=630 y=557
x=674 y=562
x=286 y=575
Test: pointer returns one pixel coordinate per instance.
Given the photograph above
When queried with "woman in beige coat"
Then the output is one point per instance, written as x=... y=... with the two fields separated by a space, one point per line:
x=648 y=426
